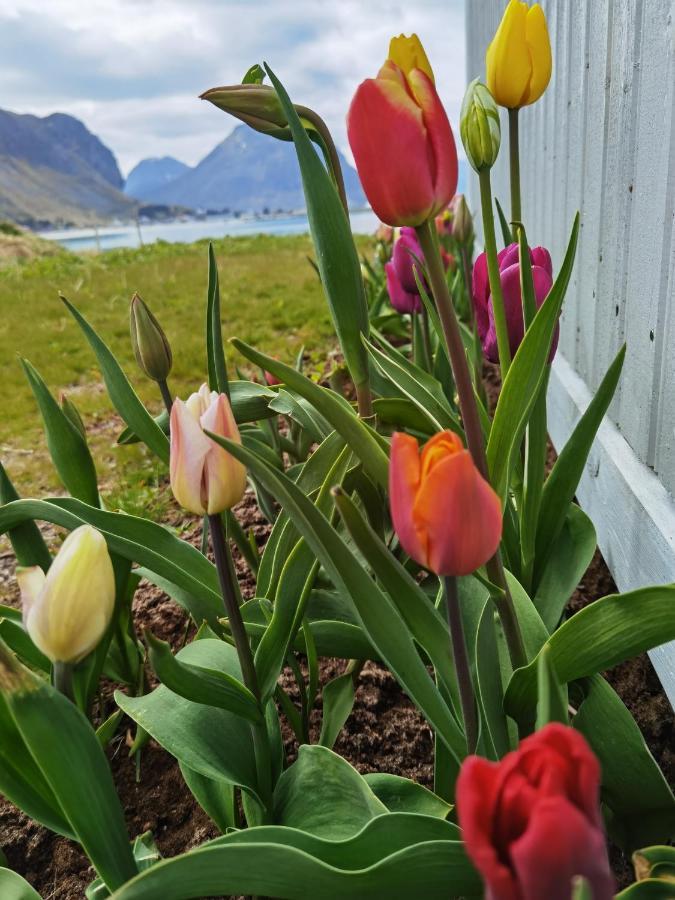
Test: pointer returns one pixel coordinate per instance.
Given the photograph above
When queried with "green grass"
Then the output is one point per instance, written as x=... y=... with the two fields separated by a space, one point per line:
x=270 y=297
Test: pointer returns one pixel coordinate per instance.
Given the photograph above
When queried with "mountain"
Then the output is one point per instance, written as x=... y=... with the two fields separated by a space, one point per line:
x=54 y=170
x=153 y=174
x=248 y=171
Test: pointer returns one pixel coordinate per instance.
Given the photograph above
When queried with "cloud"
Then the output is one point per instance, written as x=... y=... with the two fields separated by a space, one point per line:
x=132 y=69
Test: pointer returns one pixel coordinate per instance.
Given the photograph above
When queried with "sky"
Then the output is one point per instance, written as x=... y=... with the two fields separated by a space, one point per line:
x=132 y=70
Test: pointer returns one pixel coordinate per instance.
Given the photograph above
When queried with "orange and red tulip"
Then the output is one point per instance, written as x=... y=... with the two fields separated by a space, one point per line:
x=446 y=515
x=205 y=478
x=401 y=139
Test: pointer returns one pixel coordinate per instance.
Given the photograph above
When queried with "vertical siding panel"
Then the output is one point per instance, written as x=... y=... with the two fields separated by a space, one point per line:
x=665 y=388
x=649 y=237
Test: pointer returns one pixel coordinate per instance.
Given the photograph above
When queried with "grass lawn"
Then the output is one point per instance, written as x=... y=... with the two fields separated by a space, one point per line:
x=270 y=297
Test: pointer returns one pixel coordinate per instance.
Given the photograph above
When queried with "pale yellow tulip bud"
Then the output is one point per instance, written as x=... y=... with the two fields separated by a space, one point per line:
x=67 y=611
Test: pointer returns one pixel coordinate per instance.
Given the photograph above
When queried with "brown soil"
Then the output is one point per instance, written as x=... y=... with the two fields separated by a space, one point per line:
x=384 y=733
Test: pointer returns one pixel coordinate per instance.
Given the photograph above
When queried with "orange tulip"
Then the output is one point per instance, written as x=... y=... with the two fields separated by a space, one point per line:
x=446 y=515
x=401 y=139
x=205 y=478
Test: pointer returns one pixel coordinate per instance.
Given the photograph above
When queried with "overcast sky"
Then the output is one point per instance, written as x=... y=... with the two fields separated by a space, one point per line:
x=132 y=69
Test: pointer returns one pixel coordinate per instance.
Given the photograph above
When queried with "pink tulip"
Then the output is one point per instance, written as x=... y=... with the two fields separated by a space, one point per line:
x=205 y=478
x=403 y=301
x=509 y=276
x=401 y=139
x=400 y=271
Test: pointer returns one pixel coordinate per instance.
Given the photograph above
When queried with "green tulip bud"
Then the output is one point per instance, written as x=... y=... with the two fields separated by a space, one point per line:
x=479 y=126
x=461 y=226
x=255 y=104
x=151 y=347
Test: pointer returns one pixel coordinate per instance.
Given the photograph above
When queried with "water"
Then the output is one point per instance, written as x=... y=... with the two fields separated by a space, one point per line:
x=363 y=222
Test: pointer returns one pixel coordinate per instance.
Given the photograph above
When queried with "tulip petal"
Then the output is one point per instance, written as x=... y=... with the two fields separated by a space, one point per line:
x=539 y=45
x=542 y=258
x=389 y=142
x=440 y=137
x=507 y=61
x=225 y=476
x=558 y=844
x=404 y=477
x=401 y=300
x=461 y=515
x=408 y=53
x=189 y=449
x=480 y=290
x=31 y=580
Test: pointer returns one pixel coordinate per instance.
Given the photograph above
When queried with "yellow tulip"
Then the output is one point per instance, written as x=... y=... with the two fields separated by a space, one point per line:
x=67 y=611
x=518 y=61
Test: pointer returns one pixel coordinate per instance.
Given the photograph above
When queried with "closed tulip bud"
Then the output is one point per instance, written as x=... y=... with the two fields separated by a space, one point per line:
x=446 y=515
x=531 y=823
x=518 y=61
x=479 y=126
x=462 y=223
x=151 y=347
x=255 y=104
x=67 y=611
x=205 y=478
x=401 y=139
x=73 y=414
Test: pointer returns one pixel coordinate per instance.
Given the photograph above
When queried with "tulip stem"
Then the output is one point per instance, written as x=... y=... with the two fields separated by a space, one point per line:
x=364 y=400
x=460 y=654
x=243 y=648
x=478 y=350
x=514 y=164
x=472 y=426
x=62 y=677
x=166 y=395
x=426 y=340
x=498 y=310
x=329 y=150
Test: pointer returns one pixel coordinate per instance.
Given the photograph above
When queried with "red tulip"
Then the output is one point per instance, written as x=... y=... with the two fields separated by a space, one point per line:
x=509 y=276
x=446 y=516
x=532 y=822
x=401 y=139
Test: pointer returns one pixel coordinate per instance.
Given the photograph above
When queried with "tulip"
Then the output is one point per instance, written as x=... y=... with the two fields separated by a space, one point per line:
x=407 y=258
x=205 y=478
x=532 y=822
x=151 y=347
x=255 y=104
x=403 y=301
x=446 y=515
x=384 y=233
x=479 y=126
x=461 y=223
x=509 y=277
x=401 y=138
x=271 y=379
x=518 y=61
x=67 y=611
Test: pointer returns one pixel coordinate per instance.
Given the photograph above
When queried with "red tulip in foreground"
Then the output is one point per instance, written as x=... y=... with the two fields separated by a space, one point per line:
x=446 y=516
x=509 y=276
x=401 y=139
x=205 y=479
x=532 y=822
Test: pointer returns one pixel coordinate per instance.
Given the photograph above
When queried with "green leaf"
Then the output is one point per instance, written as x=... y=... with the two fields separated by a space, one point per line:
x=213 y=742
x=568 y=560
x=297 y=408
x=490 y=684
x=199 y=684
x=366 y=443
x=123 y=397
x=18 y=640
x=561 y=485
x=655 y=862
x=338 y=702
x=377 y=614
x=323 y=795
x=68 y=449
x=217 y=798
x=173 y=561
x=28 y=544
x=215 y=355
x=402 y=414
x=636 y=791
x=14 y=887
x=403 y=795
x=523 y=380
x=337 y=258
x=504 y=225
x=649 y=889
x=598 y=637
x=551 y=694
x=145 y=854
x=69 y=756
x=391 y=857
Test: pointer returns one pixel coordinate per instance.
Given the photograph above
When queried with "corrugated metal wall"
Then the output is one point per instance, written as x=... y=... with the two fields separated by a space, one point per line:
x=602 y=140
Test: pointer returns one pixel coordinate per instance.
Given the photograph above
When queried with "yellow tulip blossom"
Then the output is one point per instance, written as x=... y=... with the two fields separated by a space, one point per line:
x=518 y=61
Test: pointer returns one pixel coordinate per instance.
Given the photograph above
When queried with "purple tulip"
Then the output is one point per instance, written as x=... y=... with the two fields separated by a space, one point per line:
x=406 y=257
x=402 y=301
x=509 y=275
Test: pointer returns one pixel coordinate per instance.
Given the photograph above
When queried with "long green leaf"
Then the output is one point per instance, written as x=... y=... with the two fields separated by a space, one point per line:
x=377 y=614
x=336 y=254
x=369 y=446
x=14 y=887
x=338 y=701
x=561 y=485
x=124 y=398
x=522 y=383
x=28 y=544
x=215 y=354
x=598 y=637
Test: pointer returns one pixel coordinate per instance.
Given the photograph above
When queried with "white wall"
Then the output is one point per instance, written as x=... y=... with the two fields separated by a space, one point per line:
x=602 y=140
